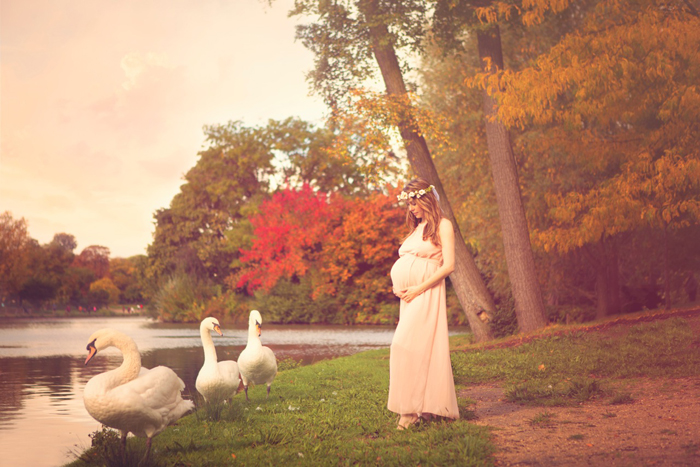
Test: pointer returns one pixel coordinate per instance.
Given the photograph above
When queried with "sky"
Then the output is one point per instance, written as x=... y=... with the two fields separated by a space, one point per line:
x=102 y=104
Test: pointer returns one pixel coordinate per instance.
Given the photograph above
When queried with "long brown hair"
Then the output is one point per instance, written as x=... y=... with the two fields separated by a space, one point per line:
x=431 y=210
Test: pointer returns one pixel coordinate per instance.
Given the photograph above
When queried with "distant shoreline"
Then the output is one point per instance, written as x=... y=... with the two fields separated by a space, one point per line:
x=15 y=312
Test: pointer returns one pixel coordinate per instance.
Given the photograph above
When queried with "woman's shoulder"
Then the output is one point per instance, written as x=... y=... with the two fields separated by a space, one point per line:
x=445 y=223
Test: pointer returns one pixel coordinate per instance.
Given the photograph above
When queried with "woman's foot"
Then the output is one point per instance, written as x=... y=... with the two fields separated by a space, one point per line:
x=406 y=421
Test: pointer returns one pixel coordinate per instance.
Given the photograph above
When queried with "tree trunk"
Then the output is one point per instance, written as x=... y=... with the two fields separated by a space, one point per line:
x=529 y=307
x=667 y=275
x=471 y=290
x=607 y=278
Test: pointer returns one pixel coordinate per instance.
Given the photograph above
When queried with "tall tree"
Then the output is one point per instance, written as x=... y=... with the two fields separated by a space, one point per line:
x=14 y=246
x=451 y=19
x=344 y=41
x=197 y=240
x=65 y=241
x=94 y=258
x=201 y=231
x=529 y=307
x=125 y=275
x=615 y=112
x=331 y=160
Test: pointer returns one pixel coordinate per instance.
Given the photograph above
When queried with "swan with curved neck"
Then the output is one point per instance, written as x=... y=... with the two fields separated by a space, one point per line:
x=257 y=363
x=216 y=381
x=131 y=398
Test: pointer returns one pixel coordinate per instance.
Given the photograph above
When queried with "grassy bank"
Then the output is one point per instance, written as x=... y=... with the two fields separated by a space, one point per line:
x=581 y=364
x=334 y=412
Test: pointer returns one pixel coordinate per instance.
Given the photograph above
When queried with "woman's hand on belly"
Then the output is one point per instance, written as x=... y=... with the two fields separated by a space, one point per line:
x=410 y=293
x=398 y=293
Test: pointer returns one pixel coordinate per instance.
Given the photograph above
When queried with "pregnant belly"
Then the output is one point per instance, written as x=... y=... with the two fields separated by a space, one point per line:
x=411 y=270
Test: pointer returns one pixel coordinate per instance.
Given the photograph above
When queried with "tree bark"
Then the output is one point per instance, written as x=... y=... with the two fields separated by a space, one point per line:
x=476 y=300
x=529 y=307
x=607 y=278
x=667 y=274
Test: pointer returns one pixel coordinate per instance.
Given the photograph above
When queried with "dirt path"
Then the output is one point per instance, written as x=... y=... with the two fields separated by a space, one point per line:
x=660 y=427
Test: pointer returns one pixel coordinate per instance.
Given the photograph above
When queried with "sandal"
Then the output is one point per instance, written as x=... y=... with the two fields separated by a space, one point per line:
x=408 y=422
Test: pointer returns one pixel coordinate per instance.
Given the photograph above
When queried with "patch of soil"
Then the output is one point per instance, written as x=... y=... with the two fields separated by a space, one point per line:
x=660 y=425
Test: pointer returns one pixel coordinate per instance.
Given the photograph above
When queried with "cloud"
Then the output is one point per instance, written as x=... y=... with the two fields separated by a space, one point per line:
x=135 y=64
x=103 y=104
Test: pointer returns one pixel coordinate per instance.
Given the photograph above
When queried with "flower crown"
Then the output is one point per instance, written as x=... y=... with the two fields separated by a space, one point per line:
x=415 y=193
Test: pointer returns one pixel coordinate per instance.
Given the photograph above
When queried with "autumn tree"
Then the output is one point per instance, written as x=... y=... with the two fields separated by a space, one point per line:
x=197 y=233
x=617 y=106
x=346 y=38
x=357 y=256
x=126 y=275
x=332 y=159
x=288 y=230
x=482 y=19
x=65 y=241
x=106 y=291
x=332 y=247
x=14 y=245
x=75 y=285
x=198 y=239
x=94 y=258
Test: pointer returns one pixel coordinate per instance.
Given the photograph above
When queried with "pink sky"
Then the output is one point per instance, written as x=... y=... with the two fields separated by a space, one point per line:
x=102 y=104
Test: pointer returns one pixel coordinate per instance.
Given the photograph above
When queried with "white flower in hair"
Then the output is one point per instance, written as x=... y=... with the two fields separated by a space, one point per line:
x=416 y=194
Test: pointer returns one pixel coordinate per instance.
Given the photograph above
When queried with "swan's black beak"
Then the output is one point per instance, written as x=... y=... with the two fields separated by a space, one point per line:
x=91 y=351
x=258 y=326
x=217 y=328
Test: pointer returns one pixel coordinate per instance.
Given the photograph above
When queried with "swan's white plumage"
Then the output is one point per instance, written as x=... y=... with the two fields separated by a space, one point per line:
x=216 y=380
x=256 y=363
x=131 y=398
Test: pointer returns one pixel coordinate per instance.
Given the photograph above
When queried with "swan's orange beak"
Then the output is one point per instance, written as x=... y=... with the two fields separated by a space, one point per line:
x=217 y=328
x=258 y=326
x=91 y=351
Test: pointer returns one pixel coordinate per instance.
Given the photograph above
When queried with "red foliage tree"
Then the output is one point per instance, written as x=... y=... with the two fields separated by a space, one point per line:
x=289 y=230
x=348 y=244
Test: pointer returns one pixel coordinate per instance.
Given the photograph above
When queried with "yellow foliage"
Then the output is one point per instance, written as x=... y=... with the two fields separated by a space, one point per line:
x=616 y=109
x=106 y=284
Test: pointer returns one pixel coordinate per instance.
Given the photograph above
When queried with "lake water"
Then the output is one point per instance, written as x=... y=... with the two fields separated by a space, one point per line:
x=42 y=372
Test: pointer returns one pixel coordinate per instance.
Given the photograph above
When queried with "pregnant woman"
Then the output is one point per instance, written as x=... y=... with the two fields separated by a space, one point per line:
x=420 y=375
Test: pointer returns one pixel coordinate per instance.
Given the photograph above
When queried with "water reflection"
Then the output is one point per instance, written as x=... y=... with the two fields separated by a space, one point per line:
x=42 y=371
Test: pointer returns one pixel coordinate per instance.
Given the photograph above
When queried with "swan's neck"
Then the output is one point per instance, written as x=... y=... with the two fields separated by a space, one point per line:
x=208 y=345
x=131 y=365
x=253 y=337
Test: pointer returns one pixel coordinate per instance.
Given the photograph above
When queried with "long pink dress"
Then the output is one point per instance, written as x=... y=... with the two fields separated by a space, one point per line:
x=420 y=375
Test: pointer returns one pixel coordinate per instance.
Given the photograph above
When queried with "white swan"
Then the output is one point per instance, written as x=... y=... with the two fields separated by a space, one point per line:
x=130 y=398
x=256 y=363
x=216 y=381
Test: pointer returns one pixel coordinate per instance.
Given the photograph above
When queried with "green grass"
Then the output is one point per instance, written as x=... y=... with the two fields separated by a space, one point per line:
x=623 y=398
x=569 y=369
x=330 y=413
x=543 y=419
x=334 y=412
